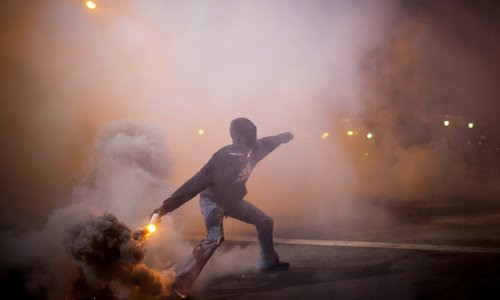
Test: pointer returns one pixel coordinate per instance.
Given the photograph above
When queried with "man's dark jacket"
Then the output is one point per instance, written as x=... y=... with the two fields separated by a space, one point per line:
x=223 y=177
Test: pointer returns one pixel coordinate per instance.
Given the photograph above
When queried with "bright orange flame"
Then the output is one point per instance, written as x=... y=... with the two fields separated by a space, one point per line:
x=90 y=5
x=151 y=228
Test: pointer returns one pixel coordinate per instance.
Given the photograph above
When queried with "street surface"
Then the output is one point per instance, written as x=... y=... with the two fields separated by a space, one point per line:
x=341 y=272
x=447 y=251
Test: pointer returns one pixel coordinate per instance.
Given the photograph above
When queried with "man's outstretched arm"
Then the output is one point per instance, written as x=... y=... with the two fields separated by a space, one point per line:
x=267 y=144
x=187 y=191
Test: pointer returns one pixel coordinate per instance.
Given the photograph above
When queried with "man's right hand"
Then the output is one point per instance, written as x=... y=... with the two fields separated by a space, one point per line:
x=161 y=211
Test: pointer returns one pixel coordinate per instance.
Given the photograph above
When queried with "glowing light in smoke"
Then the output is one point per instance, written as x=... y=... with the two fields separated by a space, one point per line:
x=369 y=135
x=350 y=133
x=151 y=228
x=471 y=125
x=325 y=135
x=201 y=131
x=90 y=5
x=446 y=123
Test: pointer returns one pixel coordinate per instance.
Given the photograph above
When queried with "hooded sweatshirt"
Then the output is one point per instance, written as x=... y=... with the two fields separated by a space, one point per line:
x=222 y=179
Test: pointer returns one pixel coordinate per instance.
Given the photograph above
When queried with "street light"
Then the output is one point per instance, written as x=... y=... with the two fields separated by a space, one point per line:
x=350 y=133
x=90 y=5
x=446 y=123
x=369 y=135
x=325 y=135
x=471 y=125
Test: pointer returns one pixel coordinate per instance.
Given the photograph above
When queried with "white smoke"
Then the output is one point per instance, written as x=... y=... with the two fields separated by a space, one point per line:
x=287 y=65
x=125 y=175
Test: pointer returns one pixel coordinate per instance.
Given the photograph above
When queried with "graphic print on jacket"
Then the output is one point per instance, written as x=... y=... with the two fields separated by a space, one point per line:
x=247 y=169
x=245 y=173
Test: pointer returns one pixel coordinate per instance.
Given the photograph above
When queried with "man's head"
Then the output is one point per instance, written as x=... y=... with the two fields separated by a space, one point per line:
x=243 y=131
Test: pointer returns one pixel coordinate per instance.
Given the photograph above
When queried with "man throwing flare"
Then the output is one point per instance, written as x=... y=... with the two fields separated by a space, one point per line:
x=221 y=185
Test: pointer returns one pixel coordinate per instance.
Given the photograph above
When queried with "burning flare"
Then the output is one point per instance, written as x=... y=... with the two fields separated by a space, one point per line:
x=143 y=234
x=151 y=228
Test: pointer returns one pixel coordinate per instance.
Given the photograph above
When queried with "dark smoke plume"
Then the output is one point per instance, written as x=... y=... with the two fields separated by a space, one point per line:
x=110 y=262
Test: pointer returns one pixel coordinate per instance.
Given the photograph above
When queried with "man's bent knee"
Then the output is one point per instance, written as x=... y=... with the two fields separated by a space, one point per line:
x=215 y=235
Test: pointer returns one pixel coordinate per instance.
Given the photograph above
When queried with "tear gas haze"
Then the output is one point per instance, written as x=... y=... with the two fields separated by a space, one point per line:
x=124 y=173
x=109 y=110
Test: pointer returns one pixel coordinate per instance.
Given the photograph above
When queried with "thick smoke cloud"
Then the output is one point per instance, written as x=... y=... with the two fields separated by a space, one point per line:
x=111 y=262
x=437 y=61
x=124 y=174
x=184 y=66
x=303 y=66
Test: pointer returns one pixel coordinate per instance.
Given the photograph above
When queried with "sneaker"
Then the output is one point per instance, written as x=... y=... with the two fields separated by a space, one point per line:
x=272 y=262
x=277 y=266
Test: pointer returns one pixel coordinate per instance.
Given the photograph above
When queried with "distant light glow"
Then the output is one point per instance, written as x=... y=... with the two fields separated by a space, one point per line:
x=151 y=228
x=446 y=123
x=325 y=135
x=201 y=131
x=471 y=125
x=350 y=133
x=90 y=5
x=369 y=135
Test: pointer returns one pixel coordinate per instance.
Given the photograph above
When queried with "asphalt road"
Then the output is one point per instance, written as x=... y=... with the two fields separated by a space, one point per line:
x=369 y=271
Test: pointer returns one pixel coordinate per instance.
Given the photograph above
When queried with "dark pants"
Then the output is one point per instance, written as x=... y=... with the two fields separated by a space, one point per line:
x=214 y=217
